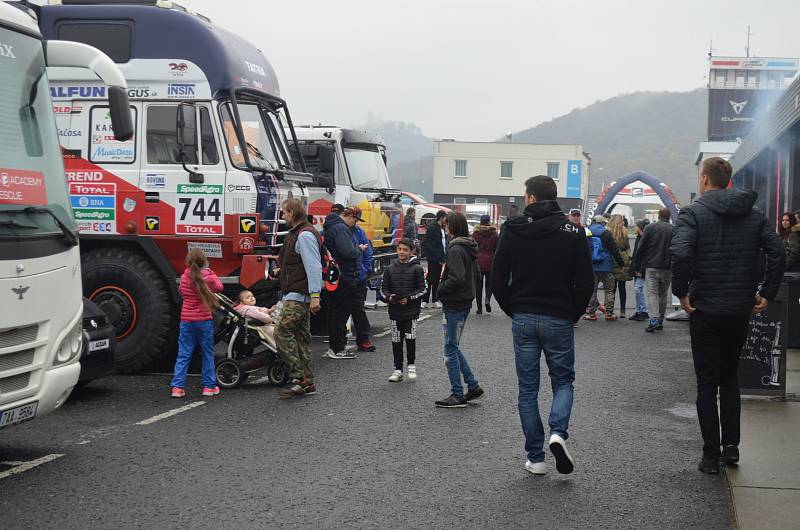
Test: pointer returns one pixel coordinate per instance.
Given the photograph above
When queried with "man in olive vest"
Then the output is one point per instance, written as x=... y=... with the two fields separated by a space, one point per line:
x=300 y=274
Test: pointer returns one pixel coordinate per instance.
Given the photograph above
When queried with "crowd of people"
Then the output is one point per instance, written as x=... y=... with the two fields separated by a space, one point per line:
x=544 y=269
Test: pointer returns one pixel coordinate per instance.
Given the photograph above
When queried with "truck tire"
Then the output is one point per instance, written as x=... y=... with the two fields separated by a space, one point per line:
x=135 y=297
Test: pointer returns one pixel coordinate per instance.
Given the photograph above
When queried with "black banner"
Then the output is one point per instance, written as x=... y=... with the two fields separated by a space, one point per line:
x=733 y=113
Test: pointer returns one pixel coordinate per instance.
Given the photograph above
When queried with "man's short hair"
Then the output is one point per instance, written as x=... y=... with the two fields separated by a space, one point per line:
x=718 y=170
x=411 y=212
x=664 y=214
x=457 y=224
x=406 y=242
x=441 y=214
x=542 y=187
x=295 y=207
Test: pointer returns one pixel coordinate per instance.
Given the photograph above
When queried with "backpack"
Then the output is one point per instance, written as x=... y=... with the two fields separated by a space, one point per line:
x=330 y=270
x=599 y=252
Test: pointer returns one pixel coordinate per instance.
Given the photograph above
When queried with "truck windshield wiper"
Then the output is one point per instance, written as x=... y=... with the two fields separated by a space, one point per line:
x=12 y=223
x=69 y=235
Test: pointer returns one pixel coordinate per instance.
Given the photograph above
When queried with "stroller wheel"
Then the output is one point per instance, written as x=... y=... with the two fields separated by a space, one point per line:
x=229 y=373
x=278 y=373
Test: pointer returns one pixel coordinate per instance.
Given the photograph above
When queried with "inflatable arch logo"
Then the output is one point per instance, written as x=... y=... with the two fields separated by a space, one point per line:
x=663 y=191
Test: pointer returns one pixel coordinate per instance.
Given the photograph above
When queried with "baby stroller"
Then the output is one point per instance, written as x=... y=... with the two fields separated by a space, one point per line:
x=250 y=347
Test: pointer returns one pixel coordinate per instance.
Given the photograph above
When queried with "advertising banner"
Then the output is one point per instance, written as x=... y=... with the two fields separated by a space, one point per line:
x=732 y=113
x=574 y=177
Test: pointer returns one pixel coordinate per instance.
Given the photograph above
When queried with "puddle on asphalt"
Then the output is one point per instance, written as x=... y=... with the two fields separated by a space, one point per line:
x=684 y=410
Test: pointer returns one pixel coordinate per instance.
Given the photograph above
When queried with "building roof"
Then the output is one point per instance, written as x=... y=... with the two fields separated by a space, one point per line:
x=717 y=148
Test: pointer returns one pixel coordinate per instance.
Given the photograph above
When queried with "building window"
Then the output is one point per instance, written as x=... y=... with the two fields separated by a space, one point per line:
x=459 y=200
x=506 y=170
x=461 y=168
x=481 y=200
x=552 y=170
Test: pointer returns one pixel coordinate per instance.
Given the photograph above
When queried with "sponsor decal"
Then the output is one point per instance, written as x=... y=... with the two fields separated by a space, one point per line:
x=152 y=223
x=247 y=224
x=69 y=133
x=84 y=92
x=71 y=154
x=7 y=51
x=104 y=148
x=247 y=244
x=84 y=214
x=85 y=201
x=92 y=189
x=19 y=186
x=84 y=176
x=139 y=93
x=180 y=90
x=94 y=204
x=258 y=84
x=255 y=68
x=198 y=210
x=238 y=187
x=212 y=250
x=100 y=227
x=67 y=109
x=155 y=180
x=128 y=204
x=178 y=67
x=116 y=153
x=195 y=189
x=738 y=107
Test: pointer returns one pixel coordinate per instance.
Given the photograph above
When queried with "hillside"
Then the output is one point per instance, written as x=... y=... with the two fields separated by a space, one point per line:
x=657 y=132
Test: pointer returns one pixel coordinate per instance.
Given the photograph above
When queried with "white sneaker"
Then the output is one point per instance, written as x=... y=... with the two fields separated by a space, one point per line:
x=330 y=354
x=412 y=372
x=424 y=305
x=343 y=355
x=396 y=376
x=381 y=303
x=564 y=463
x=438 y=305
x=537 y=468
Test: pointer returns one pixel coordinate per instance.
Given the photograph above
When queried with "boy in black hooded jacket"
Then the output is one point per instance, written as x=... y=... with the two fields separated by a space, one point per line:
x=403 y=286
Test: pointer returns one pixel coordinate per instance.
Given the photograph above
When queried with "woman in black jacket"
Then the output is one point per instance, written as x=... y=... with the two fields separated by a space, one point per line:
x=403 y=286
x=457 y=291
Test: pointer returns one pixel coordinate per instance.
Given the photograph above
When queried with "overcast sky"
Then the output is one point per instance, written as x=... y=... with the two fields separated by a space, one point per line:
x=472 y=70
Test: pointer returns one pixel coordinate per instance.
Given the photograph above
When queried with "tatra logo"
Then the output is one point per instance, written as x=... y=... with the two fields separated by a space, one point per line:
x=738 y=107
x=247 y=224
x=152 y=223
x=255 y=68
x=179 y=67
x=20 y=291
x=7 y=51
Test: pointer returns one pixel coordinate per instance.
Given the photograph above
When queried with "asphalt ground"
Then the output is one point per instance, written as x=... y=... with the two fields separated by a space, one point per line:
x=365 y=453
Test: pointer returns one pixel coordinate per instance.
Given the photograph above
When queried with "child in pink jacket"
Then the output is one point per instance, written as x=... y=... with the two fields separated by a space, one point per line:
x=246 y=307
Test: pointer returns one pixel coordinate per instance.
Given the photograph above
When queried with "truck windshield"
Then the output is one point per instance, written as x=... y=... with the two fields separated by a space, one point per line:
x=262 y=130
x=366 y=167
x=33 y=193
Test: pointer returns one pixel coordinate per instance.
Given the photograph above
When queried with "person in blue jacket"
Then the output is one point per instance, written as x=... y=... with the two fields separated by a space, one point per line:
x=359 y=315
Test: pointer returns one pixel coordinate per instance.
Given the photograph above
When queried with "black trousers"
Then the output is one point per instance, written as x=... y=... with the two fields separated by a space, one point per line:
x=623 y=294
x=404 y=329
x=716 y=344
x=340 y=306
x=483 y=278
x=434 y=275
x=360 y=320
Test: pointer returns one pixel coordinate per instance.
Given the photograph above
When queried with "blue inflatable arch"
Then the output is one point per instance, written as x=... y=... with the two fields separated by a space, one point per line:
x=666 y=196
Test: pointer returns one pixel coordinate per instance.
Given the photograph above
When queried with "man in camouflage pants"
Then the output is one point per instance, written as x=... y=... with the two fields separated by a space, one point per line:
x=300 y=274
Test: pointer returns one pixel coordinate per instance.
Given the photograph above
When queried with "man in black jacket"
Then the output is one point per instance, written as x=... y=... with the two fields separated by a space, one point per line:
x=652 y=256
x=434 y=246
x=544 y=297
x=716 y=252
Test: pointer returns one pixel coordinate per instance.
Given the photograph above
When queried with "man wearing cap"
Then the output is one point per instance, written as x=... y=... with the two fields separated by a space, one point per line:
x=434 y=246
x=603 y=250
x=361 y=323
x=339 y=241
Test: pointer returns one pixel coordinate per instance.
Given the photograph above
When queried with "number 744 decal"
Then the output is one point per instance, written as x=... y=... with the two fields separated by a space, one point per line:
x=199 y=215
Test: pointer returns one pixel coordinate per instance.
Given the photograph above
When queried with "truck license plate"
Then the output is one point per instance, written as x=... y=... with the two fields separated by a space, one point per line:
x=98 y=345
x=18 y=414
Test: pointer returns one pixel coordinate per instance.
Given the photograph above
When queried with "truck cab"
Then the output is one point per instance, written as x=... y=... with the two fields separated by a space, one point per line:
x=208 y=166
x=40 y=273
x=349 y=168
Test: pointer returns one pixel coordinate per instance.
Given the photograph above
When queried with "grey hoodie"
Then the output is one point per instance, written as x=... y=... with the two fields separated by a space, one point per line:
x=457 y=289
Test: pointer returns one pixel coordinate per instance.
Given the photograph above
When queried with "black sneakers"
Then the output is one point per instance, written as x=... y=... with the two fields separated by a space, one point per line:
x=709 y=465
x=488 y=308
x=730 y=456
x=475 y=393
x=452 y=402
x=639 y=317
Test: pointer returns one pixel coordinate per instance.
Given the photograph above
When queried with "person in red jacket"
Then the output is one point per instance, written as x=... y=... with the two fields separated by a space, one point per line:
x=197 y=288
x=485 y=235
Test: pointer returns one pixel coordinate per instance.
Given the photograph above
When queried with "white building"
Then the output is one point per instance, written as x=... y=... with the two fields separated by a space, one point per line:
x=495 y=173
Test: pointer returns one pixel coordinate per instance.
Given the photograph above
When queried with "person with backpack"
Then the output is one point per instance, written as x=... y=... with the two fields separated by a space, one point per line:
x=604 y=253
x=653 y=257
x=403 y=286
x=343 y=299
x=300 y=275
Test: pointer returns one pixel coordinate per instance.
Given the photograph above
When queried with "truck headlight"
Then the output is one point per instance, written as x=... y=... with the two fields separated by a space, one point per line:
x=70 y=347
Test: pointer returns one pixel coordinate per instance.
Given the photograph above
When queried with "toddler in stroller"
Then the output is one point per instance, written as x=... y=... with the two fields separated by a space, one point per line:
x=249 y=334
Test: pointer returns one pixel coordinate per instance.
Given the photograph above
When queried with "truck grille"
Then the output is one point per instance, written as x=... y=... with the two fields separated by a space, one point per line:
x=14 y=383
x=17 y=336
x=16 y=359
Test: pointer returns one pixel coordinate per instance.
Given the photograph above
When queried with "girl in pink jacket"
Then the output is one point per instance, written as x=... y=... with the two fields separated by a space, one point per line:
x=197 y=288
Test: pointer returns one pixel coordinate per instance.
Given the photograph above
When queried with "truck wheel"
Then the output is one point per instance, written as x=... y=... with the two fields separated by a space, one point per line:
x=135 y=298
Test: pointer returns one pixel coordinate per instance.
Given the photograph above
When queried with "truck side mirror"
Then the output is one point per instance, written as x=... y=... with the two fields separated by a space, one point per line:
x=120 y=109
x=327 y=166
x=186 y=138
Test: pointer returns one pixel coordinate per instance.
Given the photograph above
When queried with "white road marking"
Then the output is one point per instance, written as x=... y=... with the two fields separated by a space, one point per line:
x=171 y=413
x=25 y=466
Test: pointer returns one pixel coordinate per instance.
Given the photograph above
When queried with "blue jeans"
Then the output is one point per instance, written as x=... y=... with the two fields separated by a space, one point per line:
x=454 y=359
x=192 y=335
x=641 y=300
x=532 y=334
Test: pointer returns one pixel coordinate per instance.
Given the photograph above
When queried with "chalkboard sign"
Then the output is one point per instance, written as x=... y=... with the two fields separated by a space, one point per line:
x=762 y=362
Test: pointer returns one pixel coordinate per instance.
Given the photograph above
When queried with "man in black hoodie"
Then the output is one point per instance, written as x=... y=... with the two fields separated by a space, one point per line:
x=716 y=252
x=434 y=248
x=542 y=278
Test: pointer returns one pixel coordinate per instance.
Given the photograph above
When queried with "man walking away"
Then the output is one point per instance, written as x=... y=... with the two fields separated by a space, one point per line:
x=411 y=229
x=360 y=320
x=339 y=241
x=639 y=276
x=716 y=253
x=603 y=250
x=544 y=298
x=300 y=275
x=434 y=246
x=485 y=235
x=653 y=257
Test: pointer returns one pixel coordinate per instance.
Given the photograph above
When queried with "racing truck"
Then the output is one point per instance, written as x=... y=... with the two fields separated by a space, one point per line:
x=40 y=283
x=208 y=166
